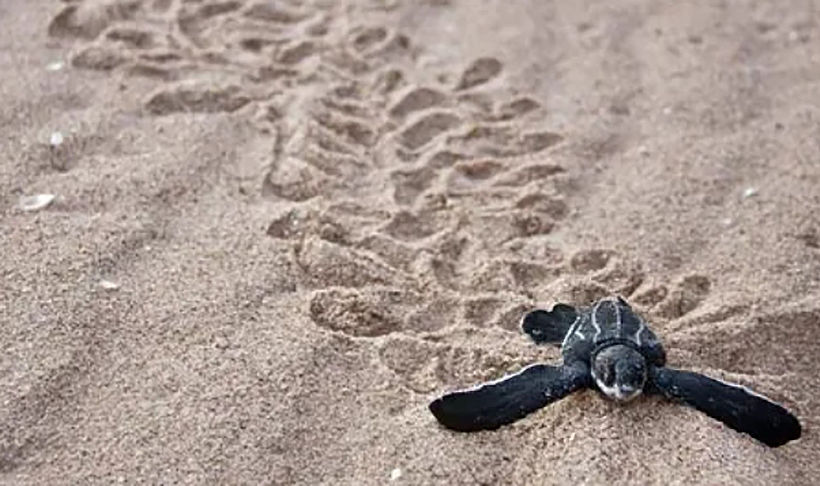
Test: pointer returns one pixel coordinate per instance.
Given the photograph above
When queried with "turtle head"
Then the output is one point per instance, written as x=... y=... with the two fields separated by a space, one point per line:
x=619 y=372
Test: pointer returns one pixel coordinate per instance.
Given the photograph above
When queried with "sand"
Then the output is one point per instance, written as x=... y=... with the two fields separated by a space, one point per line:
x=279 y=229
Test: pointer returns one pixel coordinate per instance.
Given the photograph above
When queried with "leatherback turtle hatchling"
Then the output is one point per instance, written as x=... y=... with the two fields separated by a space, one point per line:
x=609 y=347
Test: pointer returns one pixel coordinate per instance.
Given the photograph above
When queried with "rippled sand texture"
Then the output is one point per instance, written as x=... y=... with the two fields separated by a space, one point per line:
x=280 y=228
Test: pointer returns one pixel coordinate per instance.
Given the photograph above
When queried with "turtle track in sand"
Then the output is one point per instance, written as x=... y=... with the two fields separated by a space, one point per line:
x=470 y=152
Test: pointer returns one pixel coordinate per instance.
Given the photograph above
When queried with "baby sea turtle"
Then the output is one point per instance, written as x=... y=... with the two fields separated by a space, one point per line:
x=608 y=347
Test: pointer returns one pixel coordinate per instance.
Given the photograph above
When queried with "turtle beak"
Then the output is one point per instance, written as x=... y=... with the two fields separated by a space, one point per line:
x=619 y=392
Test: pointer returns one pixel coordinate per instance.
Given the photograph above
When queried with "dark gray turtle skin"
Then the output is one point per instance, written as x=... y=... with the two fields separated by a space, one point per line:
x=608 y=330
x=609 y=347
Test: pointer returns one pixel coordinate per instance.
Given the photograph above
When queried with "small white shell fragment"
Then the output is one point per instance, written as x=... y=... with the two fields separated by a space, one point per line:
x=55 y=66
x=36 y=202
x=749 y=192
x=395 y=474
x=56 y=139
x=109 y=285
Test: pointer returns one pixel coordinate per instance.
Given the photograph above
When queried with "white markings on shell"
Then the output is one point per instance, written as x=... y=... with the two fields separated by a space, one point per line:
x=595 y=321
x=575 y=328
x=641 y=328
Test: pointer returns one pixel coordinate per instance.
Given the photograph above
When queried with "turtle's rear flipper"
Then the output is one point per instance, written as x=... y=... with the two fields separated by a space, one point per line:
x=549 y=326
x=508 y=399
x=733 y=405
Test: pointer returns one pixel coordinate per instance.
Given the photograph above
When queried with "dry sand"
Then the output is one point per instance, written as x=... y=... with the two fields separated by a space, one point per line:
x=281 y=228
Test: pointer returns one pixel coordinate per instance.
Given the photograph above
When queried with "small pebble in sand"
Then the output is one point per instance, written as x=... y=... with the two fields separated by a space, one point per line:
x=56 y=139
x=36 y=202
x=109 y=285
x=55 y=66
x=749 y=192
x=395 y=474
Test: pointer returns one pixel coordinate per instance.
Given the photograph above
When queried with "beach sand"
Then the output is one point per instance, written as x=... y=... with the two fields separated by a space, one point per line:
x=281 y=228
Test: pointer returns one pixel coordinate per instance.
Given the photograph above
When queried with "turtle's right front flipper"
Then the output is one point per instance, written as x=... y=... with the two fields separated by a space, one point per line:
x=508 y=399
x=549 y=326
x=733 y=405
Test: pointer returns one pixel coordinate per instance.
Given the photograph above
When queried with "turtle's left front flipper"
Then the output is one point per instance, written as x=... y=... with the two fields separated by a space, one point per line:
x=733 y=405
x=508 y=399
x=549 y=326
